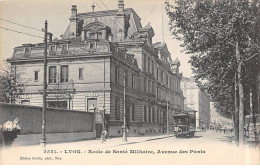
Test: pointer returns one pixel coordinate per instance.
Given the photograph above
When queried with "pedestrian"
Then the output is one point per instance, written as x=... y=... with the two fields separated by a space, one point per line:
x=102 y=136
x=105 y=133
x=225 y=130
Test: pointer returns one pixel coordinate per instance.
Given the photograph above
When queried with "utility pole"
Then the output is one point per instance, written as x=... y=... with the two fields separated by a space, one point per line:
x=124 y=126
x=241 y=97
x=104 y=108
x=236 y=114
x=43 y=139
x=168 y=128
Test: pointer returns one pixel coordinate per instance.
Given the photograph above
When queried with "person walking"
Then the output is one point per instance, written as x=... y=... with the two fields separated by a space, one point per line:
x=102 y=136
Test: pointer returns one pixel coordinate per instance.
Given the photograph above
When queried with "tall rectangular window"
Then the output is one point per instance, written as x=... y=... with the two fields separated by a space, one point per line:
x=145 y=117
x=117 y=109
x=152 y=70
x=126 y=78
x=153 y=115
x=167 y=80
x=64 y=75
x=133 y=81
x=152 y=87
x=157 y=94
x=53 y=49
x=149 y=86
x=145 y=85
x=64 y=47
x=162 y=76
x=149 y=65
x=158 y=71
x=116 y=75
x=52 y=74
x=27 y=51
x=149 y=114
x=133 y=112
x=80 y=73
x=145 y=62
x=36 y=76
x=158 y=115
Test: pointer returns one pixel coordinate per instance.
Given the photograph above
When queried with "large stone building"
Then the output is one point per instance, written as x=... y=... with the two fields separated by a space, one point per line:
x=196 y=101
x=100 y=53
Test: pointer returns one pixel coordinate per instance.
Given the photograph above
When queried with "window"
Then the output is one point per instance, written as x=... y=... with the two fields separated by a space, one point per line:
x=167 y=80
x=133 y=81
x=80 y=73
x=117 y=109
x=126 y=79
x=64 y=75
x=152 y=114
x=152 y=68
x=133 y=112
x=91 y=102
x=145 y=117
x=64 y=47
x=145 y=85
x=36 y=76
x=157 y=93
x=52 y=74
x=57 y=104
x=92 y=45
x=25 y=102
x=149 y=65
x=158 y=116
x=117 y=75
x=158 y=71
x=53 y=49
x=152 y=87
x=27 y=50
x=149 y=114
x=162 y=76
x=149 y=86
x=144 y=62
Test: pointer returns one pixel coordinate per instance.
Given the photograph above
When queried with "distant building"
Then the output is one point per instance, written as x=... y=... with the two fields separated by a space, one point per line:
x=196 y=101
x=100 y=53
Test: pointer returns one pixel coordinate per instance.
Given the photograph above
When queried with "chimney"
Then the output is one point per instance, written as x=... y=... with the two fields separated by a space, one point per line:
x=121 y=6
x=49 y=37
x=73 y=22
x=74 y=11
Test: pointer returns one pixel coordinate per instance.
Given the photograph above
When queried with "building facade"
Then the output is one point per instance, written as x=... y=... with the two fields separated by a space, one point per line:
x=196 y=101
x=99 y=55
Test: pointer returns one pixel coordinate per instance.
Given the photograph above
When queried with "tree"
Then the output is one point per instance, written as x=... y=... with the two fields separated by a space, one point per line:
x=215 y=33
x=10 y=85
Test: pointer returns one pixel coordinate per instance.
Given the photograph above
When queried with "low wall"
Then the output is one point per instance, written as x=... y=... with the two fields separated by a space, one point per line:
x=34 y=139
x=57 y=120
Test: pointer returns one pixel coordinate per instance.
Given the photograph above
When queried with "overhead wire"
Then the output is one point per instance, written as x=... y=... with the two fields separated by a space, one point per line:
x=21 y=25
x=151 y=11
x=21 y=32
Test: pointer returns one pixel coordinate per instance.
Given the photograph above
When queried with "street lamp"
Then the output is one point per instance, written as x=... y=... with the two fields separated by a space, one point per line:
x=43 y=138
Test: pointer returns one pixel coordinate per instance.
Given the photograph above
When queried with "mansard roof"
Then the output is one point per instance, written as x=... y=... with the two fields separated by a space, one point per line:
x=106 y=13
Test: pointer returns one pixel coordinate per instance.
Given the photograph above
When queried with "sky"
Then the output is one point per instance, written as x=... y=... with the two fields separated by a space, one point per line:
x=33 y=13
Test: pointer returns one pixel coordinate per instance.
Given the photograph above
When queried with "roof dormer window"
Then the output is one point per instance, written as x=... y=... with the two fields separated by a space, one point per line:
x=27 y=50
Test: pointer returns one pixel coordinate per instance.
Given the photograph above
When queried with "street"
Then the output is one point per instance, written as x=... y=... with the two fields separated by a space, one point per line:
x=204 y=148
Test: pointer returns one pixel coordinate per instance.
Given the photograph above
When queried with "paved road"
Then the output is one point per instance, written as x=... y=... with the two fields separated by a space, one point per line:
x=204 y=148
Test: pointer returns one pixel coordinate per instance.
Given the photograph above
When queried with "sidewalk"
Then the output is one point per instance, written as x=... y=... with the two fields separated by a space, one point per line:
x=112 y=142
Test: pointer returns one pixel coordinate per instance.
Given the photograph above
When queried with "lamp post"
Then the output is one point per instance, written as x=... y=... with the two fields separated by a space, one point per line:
x=43 y=139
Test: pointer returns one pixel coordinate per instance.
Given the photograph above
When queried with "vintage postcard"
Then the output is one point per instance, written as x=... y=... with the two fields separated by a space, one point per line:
x=129 y=82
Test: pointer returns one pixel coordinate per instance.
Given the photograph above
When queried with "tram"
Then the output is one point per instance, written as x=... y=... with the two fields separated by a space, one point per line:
x=184 y=125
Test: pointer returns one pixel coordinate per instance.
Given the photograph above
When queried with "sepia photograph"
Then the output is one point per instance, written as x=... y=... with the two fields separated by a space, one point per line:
x=129 y=82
